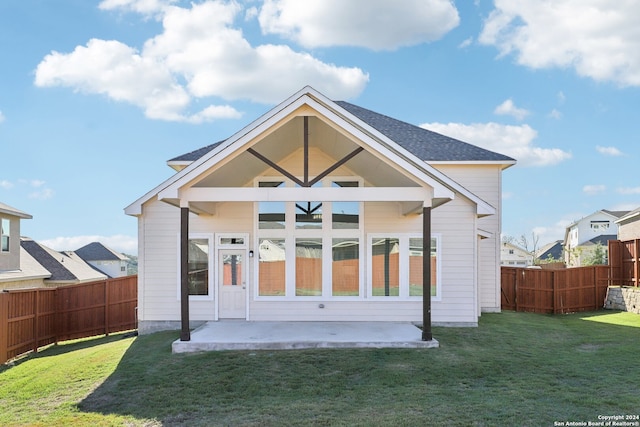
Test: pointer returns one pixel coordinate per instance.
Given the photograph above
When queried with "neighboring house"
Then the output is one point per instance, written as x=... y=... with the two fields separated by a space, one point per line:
x=582 y=237
x=323 y=211
x=629 y=225
x=551 y=251
x=514 y=256
x=106 y=260
x=17 y=268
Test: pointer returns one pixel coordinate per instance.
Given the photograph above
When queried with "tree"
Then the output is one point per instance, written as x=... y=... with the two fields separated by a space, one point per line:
x=596 y=257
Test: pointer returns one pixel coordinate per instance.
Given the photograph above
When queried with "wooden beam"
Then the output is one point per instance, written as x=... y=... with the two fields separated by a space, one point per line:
x=336 y=165
x=306 y=151
x=185 y=333
x=276 y=167
x=426 y=274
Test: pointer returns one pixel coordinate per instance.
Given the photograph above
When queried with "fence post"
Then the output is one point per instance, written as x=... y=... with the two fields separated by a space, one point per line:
x=36 y=301
x=4 y=325
x=106 y=307
x=554 y=291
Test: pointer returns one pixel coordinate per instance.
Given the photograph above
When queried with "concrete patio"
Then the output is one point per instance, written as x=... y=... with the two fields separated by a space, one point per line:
x=243 y=335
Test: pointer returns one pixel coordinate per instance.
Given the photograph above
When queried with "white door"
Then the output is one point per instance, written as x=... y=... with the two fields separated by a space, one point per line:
x=232 y=276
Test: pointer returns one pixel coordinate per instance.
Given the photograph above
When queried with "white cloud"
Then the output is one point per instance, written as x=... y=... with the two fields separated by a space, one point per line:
x=600 y=39
x=592 y=190
x=466 y=43
x=609 y=151
x=555 y=114
x=118 y=242
x=145 y=7
x=628 y=190
x=508 y=108
x=6 y=184
x=199 y=54
x=2 y=117
x=43 y=194
x=372 y=24
x=513 y=141
x=561 y=97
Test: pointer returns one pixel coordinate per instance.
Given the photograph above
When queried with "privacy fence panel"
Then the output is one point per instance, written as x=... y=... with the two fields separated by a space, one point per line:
x=33 y=318
x=554 y=291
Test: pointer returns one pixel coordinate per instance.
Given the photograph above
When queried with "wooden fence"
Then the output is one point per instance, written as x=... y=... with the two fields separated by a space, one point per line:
x=555 y=291
x=32 y=318
x=624 y=261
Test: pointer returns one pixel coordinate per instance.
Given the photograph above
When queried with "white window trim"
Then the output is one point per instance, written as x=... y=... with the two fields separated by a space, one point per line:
x=7 y=233
x=212 y=268
x=403 y=266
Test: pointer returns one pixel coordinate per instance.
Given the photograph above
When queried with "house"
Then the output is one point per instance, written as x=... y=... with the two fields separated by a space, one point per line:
x=514 y=256
x=25 y=263
x=551 y=252
x=583 y=236
x=17 y=268
x=322 y=210
x=104 y=259
x=629 y=225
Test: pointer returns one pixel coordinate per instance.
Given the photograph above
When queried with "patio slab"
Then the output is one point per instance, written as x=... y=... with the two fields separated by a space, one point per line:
x=243 y=335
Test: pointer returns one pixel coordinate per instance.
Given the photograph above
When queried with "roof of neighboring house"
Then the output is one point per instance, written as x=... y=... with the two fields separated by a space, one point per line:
x=96 y=251
x=29 y=269
x=554 y=249
x=617 y=214
x=61 y=267
x=424 y=144
x=8 y=210
x=602 y=240
x=630 y=216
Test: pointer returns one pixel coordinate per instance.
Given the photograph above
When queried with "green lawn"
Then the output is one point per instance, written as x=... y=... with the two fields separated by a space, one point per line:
x=514 y=369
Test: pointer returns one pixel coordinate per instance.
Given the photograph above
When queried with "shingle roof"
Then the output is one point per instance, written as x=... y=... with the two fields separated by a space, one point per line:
x=96 y=251
x=425 y=144
x=196 y=154
x=55 y=267
x=602 y=240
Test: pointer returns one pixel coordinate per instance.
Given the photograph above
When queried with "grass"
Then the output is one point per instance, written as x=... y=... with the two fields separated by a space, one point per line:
x=514 y=369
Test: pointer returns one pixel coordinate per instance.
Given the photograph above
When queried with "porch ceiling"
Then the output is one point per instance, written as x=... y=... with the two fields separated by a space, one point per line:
x=288 y=139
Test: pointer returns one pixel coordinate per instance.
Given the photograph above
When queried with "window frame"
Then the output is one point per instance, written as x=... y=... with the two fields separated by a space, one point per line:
x=5 y=233
x=403 y=265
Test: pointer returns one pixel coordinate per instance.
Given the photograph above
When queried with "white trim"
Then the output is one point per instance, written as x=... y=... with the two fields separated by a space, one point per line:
x=211 y=289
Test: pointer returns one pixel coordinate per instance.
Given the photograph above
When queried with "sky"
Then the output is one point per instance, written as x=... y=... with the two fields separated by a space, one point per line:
x=96 y=96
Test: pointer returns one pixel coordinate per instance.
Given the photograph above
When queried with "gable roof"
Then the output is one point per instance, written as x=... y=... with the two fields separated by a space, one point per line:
x=630 y=216
x=427 y=145
x=46 y=259
x=554 y=249
x=443 y=186
x=601 y=240
x=96 y=251
x=62 y=267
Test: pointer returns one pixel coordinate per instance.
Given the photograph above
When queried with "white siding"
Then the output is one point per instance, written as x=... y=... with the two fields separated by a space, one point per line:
x=486 y=182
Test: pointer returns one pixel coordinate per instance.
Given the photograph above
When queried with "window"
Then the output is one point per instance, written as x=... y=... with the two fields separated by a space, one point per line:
x=272 y=267
x=345 y=267
x=385 y=263
x=5 y=233
x=416 y=252
x=345 y=215
x=271 y=215
x=199 y=267
x=511 y=252
x=308 y=267
x=396 y=266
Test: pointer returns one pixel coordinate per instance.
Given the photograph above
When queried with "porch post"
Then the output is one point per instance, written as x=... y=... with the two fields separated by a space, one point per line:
x=426 y=274
x=185 y=333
